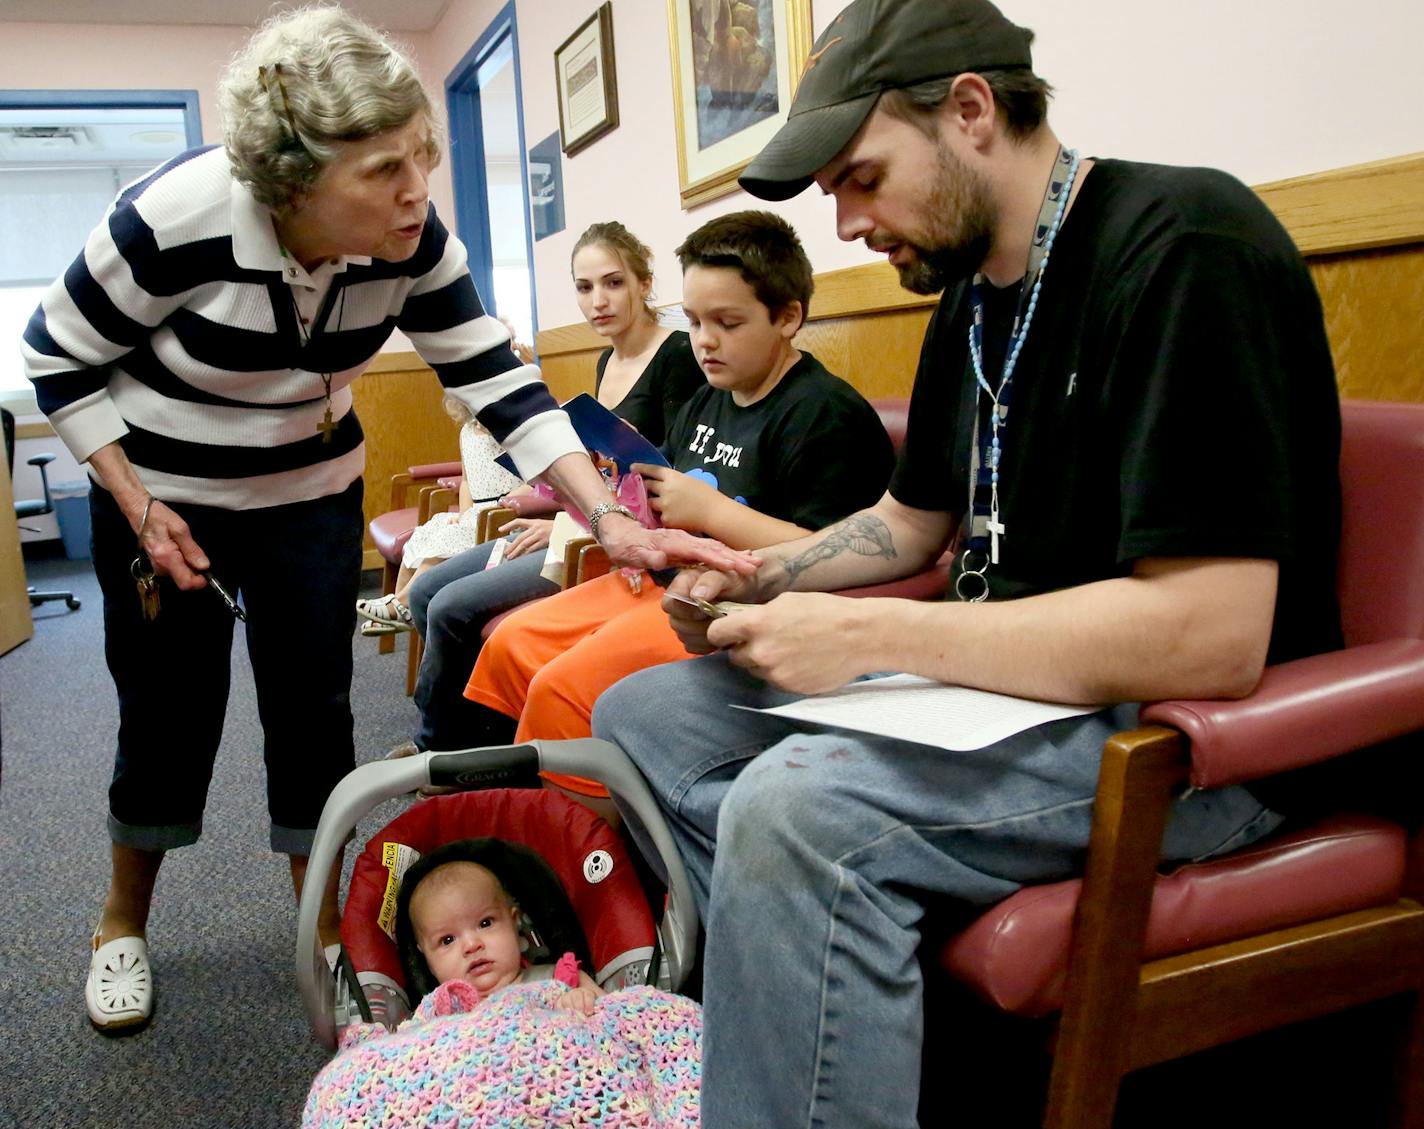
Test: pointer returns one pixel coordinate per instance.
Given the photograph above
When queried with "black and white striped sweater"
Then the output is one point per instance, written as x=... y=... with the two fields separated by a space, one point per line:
x=176 y=333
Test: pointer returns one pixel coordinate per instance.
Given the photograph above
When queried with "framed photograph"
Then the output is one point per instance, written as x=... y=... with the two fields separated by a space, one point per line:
x=588 y=85
x=735 y=66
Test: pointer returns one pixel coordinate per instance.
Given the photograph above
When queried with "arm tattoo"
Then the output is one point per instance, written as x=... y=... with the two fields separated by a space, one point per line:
x=861 y=534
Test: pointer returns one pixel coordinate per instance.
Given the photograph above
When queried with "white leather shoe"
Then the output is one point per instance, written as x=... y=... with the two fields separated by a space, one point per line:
x=119 y=991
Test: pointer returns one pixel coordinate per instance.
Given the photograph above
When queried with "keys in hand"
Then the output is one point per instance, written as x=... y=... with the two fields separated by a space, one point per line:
x=147 y=581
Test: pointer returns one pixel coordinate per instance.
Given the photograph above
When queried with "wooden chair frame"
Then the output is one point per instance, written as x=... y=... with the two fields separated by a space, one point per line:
x=402 y=484
x=1121 y=1013
x=433 y=500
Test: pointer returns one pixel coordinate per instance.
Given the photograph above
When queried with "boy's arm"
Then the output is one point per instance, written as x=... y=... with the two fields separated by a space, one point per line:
x=685 y=502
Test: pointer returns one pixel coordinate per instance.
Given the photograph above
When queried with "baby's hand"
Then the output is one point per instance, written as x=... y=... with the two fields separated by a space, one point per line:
x=580 y=999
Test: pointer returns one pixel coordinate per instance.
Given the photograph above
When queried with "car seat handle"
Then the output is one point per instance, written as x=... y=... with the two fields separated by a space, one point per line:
x=499 y=766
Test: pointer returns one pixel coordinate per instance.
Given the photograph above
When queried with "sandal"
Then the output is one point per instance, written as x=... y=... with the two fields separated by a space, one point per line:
x=119 y=990
x=387 y=611
x=370 y=629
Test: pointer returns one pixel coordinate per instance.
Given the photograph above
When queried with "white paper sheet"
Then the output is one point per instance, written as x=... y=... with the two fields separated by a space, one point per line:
x=911 y=708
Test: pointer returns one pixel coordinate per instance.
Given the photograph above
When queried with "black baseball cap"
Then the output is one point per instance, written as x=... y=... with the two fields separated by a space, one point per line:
x=871 y=47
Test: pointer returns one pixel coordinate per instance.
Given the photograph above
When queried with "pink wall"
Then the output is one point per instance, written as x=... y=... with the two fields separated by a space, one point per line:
x=36 y=56
x=1266 y=89
x=631 y=173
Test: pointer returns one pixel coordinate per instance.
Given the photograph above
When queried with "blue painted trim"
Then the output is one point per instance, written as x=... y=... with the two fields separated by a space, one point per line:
x=524 y=178
x=185 y=100
x=467 y=167
x=467 y=172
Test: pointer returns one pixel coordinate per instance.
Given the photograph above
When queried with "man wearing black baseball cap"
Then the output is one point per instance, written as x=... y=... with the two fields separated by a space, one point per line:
x=1126 y=411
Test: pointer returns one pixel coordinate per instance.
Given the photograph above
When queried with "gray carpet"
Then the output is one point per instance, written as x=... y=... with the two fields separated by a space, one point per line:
x=229 y=1044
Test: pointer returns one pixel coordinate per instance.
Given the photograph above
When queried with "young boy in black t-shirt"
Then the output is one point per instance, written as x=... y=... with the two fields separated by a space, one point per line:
x=773 y=447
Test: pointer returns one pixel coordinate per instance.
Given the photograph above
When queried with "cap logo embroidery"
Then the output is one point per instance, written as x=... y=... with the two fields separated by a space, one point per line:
x=815 y=56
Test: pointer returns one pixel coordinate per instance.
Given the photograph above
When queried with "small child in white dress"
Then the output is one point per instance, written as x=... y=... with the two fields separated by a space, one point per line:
x=445 y=534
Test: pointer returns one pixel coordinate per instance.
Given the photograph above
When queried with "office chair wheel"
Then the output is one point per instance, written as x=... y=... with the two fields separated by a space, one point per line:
x=72 y=604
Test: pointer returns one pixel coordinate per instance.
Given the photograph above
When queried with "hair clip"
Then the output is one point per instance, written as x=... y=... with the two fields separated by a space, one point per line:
x=286 y=110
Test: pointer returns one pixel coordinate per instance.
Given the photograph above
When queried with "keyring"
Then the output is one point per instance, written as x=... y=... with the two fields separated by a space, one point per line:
x=978 y=597
x=976 y=573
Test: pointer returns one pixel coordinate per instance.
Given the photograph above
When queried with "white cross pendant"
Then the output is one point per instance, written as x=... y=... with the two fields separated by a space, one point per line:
x=996 y=530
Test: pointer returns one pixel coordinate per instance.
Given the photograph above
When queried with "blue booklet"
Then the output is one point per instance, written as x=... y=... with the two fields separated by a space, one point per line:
x=606 y=433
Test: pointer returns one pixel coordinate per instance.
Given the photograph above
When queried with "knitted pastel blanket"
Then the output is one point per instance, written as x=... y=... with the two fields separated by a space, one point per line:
x=516 y=1060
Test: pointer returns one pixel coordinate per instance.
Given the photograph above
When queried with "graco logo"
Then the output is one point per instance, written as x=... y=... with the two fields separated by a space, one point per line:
x=597 y=865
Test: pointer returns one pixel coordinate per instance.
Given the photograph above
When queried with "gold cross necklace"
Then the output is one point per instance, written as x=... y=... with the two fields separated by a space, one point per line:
x=327 y=426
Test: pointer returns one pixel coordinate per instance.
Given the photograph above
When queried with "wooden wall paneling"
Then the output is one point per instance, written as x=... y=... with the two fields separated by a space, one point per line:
x=1374 y=314
x=1377 y=204
x=569 y=373
x=875 y=353
x=399 y=402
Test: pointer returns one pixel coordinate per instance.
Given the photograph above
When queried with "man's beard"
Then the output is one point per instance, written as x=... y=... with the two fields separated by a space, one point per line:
x=958 y=228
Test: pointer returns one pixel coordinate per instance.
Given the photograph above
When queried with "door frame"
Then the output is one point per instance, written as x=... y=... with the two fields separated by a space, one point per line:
x=467 y=157
x=185 y=100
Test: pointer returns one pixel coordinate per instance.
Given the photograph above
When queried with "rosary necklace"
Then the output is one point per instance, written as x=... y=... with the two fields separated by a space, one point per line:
x=986 y=524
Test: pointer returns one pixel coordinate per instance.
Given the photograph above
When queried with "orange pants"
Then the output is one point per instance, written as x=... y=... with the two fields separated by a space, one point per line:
x=546 y=664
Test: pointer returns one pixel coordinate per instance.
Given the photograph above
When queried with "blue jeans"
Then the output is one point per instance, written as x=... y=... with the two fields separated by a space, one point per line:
x=810 y=855
x=451 y=603
x=297 y=568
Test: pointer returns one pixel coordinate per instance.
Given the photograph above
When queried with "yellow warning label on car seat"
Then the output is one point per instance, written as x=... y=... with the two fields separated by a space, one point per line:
x=396 y=858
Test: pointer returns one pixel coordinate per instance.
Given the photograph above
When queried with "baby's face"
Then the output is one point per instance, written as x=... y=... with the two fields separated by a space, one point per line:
x=465 y=927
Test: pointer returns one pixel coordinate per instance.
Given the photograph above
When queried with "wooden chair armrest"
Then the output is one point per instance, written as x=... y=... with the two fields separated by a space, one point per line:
x=488 y=525
x=572 y=551
x=434 y=500
x=418 y=477
x=399 y=484
x=593 y=562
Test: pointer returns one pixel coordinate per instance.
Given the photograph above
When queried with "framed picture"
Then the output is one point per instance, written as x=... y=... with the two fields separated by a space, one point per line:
x=546 y=188
x=735 y=66
x=588 y=85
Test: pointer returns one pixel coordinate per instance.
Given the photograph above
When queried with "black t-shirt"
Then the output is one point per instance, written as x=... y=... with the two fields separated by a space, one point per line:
x=1174 y=397
x=811 y=451
x=660 y=391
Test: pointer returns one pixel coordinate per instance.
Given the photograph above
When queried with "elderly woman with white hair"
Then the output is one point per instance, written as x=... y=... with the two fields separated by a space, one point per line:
x=198 y=355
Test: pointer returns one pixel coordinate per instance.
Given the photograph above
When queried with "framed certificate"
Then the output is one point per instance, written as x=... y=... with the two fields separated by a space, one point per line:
x=588 y=84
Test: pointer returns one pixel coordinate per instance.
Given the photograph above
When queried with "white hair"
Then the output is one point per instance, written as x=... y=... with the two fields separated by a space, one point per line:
x=307 y=80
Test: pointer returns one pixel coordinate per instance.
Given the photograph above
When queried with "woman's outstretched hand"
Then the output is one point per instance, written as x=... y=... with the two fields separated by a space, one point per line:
x=629 y=545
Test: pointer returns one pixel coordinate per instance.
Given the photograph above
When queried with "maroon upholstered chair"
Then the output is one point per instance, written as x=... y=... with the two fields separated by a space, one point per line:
x=1143 y=967
x=392 y=529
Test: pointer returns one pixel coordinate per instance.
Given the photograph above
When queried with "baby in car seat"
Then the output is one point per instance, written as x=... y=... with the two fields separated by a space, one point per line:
x=501 y=1033
x=456 y=917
